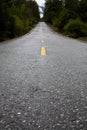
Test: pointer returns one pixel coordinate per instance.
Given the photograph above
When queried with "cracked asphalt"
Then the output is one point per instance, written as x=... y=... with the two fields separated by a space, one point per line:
x=43 y=92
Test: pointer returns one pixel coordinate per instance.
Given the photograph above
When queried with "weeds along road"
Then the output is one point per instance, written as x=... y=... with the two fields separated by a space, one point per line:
x=43 y=82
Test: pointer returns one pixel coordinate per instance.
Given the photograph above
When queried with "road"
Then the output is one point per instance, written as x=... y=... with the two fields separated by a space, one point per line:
x=43 y=82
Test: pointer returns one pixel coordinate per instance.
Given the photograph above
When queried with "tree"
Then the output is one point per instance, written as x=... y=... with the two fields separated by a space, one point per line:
x=17 y=17
x=5 y=17
x=83 y=10
x=72 y=6
x=52 y=9
x=65 y=14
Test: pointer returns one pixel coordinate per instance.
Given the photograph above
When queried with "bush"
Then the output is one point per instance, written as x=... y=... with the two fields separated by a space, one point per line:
x=18 y=25
x=84 y=29
x=75 y=28
x=63 y=18
x=28 y=24
x=55 y=22
x=17 y=17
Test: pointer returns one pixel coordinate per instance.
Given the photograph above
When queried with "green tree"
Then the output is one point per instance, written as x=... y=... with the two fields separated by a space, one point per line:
x=72 y=6
x=17 y=17
x=52 y=10
x=67 y=15
x=83 y=10
x=5 y=17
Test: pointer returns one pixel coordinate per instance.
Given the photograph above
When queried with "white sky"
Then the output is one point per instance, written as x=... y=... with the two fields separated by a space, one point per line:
x=40 y=2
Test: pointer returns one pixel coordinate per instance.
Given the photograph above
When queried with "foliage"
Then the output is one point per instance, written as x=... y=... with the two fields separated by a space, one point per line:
x=17 y=17
x=62 y=19
x=76 y=28
x=52 y=10
x=83 y=10
x=66 y=15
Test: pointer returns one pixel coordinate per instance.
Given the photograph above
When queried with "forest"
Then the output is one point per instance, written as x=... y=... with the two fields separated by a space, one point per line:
x=17 y=17
x=68 y=16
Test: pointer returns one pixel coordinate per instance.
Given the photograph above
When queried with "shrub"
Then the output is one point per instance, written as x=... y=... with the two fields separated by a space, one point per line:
x=64 y=17
x=84 y=29
x=18 y=25
x=75 y=28
x=55 y=22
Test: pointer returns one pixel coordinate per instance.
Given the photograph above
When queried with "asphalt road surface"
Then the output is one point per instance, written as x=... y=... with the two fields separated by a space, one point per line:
x=43 y=82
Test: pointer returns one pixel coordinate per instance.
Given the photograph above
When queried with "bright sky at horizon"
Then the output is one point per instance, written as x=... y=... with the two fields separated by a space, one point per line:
x=40 y=2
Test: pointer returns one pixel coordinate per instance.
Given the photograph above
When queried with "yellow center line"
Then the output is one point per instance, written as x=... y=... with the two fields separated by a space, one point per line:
x=42 y=40
x=43 y=51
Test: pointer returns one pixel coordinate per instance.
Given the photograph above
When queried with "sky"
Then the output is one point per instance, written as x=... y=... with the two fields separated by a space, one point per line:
x=40 y=3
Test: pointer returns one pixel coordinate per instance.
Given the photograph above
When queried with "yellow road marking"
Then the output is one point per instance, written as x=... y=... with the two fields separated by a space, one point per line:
x=43 y=51
x=42 y=41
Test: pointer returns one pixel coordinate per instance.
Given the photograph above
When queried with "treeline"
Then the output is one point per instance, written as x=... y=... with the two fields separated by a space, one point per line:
x=17 y=17
x=68 y=16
